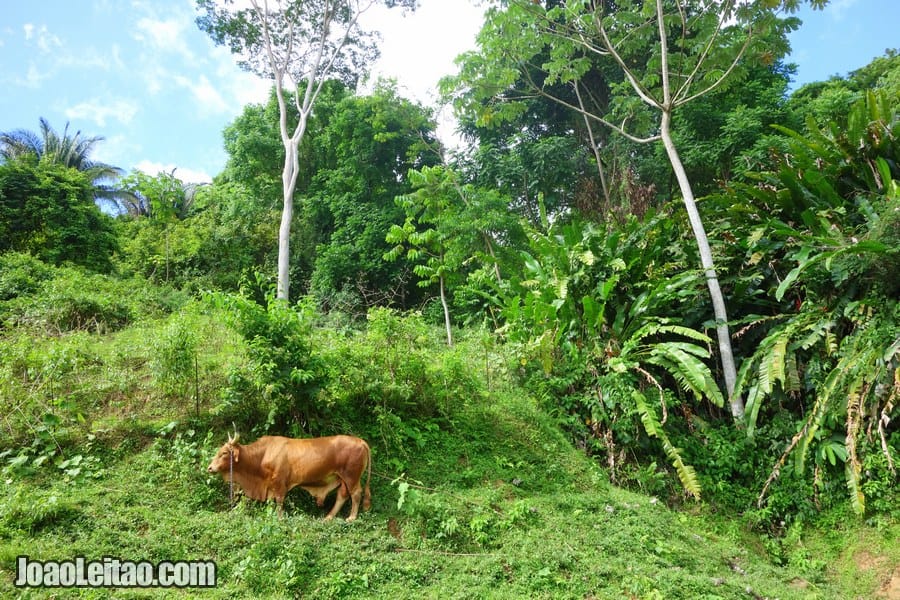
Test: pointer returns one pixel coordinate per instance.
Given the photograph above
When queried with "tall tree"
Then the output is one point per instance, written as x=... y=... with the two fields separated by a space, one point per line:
x=353 y=162
x=365 y=151
x=163 y=196
x=304 y=42
x=69 y=150
x=48 y=210
x=671 y=53
x=448 y=225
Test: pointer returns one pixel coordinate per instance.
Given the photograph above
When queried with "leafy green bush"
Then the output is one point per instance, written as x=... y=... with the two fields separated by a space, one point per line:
x=65 y=299
x=825 y=221
x=594 y=316
x=399 y=375
x=174 y=359
x=26 y=512
x=21 y=274
x=49 y=210
x=275 y=391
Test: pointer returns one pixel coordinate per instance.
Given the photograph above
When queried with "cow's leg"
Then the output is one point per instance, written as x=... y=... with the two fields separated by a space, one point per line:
x=355 y=497
x=278 y=495
x=338 y=502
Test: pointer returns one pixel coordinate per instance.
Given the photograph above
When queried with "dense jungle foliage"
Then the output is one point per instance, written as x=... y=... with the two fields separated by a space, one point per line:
x=513 y=326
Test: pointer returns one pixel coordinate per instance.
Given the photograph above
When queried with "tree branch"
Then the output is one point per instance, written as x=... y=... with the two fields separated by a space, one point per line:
x=617 y=128
x=635 y=84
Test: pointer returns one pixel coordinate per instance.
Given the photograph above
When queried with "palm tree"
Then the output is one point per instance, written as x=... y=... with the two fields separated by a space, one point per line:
x=162 y=196
x=71 y=151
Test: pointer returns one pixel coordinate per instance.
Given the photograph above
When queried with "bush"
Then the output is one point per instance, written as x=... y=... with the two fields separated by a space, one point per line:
x=174 y=359
x=58 y=300
x=398 y=373
x=275 y=391
x=21 y=274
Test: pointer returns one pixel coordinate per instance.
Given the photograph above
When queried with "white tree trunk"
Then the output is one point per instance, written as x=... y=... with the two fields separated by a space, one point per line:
x=712 y=281
x=291 y=143
x=284 y=232
x=446 y=313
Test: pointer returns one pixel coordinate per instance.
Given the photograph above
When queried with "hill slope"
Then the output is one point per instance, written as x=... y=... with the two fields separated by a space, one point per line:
x=497 y=505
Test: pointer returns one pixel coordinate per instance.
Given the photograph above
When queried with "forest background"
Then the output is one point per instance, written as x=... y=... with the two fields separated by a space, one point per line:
x=548 y=277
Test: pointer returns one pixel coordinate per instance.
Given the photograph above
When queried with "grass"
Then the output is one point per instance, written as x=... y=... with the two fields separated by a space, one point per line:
x=498 y=505
x=488 y=500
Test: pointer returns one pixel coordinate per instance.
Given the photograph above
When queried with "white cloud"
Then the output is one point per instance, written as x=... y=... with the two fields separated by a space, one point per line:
x=46 y=41
x=112 y=149
x=208 y=97
x=33 y=77
x=166 y=35
x=250 y=89
x=838 y=8
x=445 y=29
x=99 y=110
x=89 y=58
x=186 y=175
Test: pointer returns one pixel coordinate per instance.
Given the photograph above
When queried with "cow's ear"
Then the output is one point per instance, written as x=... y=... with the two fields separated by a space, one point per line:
x=236 y=453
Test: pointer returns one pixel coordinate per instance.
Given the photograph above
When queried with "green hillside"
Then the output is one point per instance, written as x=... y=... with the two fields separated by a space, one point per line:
x=476 y=492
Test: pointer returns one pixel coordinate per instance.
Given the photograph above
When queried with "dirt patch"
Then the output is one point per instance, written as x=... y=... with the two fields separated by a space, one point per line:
x=798 y=583
x=890 y=589
x=888 y=575
x=866 y=561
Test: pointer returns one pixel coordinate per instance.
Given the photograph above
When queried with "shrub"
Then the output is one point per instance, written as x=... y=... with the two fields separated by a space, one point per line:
x=275 y=391
x=21 y=274
x=398 y=374
x=71 y=299
x=174 y=359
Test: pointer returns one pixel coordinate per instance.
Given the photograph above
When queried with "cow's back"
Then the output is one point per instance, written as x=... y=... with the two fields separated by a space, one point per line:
x=313 y=460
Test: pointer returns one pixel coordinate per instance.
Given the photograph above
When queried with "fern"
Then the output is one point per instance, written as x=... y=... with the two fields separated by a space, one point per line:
x=686 y=473
x=680 y=360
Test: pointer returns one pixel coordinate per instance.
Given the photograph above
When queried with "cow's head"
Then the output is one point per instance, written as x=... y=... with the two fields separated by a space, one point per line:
x=230 y=451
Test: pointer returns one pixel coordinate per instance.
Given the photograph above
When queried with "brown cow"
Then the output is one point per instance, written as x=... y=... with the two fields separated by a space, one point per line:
x=273 y=465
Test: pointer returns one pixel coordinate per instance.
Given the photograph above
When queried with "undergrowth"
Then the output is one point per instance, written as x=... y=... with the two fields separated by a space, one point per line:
x=531 y=518
x=478 y=491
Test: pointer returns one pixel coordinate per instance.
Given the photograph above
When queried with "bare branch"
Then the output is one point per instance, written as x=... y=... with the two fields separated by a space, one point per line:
x=639 y=89
x=590 y=131
x=617 y=128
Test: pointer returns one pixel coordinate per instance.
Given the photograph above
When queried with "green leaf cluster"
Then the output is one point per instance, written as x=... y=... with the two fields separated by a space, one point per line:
x=826 y=220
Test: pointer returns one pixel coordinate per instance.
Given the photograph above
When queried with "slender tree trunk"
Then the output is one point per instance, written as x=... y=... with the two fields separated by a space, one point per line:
x=291 y=143
x=446 y=313
x=284 y=235
x=490 y=249
x=706 y=260
x=594 y=147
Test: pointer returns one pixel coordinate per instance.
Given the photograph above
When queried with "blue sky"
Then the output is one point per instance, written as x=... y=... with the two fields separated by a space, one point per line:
x=140 y=74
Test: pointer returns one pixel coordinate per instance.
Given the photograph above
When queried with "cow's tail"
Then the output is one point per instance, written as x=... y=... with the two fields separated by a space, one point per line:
x=367 y=494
